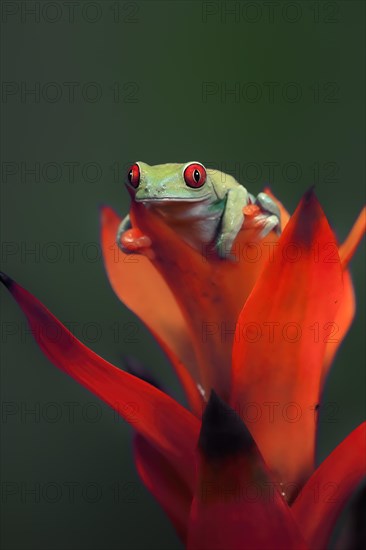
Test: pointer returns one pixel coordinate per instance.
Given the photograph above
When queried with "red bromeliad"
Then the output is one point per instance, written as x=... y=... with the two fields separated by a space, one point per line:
x=238 y=334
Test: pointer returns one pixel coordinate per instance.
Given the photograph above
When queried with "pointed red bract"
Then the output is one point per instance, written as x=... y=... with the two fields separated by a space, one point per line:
x=195 y=399
x=141 y=288
x=236 y=504
x=280 y=343
x=317 y=507
x=167 y=425
x=164 y=482
x=342 y=323
x=210 y=291
x=347 y=307
x=347 y=249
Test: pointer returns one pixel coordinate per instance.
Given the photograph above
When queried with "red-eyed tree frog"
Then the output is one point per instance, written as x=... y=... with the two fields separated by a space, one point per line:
x=204 y=206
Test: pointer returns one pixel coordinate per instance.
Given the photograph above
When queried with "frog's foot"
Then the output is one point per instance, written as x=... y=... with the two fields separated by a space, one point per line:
x=223 y=248
x=269 y=216
x=270 y=222
x=133 y=241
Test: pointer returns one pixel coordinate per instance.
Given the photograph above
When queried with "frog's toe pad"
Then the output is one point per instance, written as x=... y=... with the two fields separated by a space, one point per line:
x=133 y=241
x=270 y=223
x=223 y=249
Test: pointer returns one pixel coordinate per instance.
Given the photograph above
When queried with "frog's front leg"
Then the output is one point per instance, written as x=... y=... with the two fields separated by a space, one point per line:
x=232 y=220
x=124 y=226
x=130 y=240
x=270 y=216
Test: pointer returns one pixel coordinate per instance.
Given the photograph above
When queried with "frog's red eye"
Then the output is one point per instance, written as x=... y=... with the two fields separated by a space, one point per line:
x=133 y=175
x=195 y=175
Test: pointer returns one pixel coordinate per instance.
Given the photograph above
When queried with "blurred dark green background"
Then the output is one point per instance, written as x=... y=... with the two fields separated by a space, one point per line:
x=116 y=82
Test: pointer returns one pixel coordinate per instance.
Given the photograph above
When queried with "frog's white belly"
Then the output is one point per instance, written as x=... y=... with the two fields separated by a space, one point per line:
x=195 y=222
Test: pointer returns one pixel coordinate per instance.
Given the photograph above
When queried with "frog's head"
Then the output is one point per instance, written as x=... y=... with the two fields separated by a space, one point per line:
x=170 y=183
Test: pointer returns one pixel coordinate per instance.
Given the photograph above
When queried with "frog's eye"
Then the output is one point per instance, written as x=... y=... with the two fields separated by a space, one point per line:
x=133 y=175
x=195 y=175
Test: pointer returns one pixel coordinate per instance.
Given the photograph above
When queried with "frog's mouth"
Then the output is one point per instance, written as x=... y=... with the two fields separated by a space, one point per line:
x=167 y=200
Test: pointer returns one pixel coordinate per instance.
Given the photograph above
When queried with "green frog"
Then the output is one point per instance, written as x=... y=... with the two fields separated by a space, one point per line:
x=204 y=206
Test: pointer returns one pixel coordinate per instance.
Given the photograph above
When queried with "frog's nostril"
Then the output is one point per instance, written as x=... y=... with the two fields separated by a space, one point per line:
x=161 y=189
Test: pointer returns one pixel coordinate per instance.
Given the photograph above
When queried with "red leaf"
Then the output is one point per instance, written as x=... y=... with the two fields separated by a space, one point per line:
x=236 y=505
x=210 y=291
x=342 y=322
x=164 y=482
x=166 y=424
x=348 y=248
x=280 y=343
x=142 y=289
x=323 y=497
